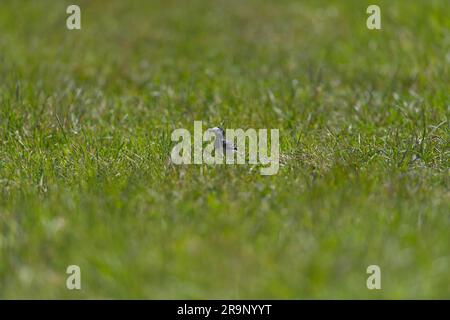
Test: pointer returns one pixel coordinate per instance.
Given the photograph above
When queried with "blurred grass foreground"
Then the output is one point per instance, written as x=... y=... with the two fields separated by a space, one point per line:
x=85 y=123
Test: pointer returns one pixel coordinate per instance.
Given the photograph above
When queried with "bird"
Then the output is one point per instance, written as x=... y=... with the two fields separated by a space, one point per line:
x=221 y=144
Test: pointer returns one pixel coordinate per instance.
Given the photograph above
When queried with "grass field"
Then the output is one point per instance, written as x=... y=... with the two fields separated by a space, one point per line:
x=85 y=124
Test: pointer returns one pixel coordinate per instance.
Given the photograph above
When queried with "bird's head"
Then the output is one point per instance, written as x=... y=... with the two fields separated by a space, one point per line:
x=218 y=131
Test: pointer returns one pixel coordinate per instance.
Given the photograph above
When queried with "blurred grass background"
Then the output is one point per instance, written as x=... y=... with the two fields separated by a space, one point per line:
x=85 y=123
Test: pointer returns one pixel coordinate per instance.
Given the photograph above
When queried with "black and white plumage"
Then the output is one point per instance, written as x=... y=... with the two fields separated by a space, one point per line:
x=221 y=144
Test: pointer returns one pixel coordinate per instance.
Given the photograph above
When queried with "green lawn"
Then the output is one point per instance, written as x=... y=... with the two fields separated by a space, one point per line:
x=85 y=124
